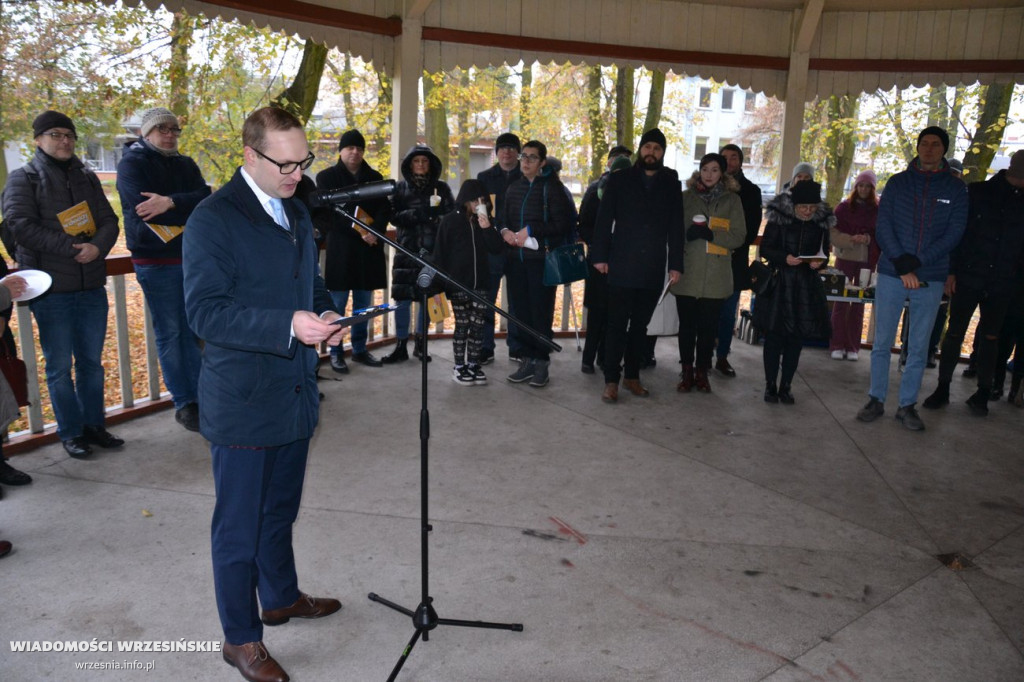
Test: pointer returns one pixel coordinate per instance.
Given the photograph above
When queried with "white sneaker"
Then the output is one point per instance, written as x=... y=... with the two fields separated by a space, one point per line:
x=838 y=355
x=462 y=375
x=852 y=355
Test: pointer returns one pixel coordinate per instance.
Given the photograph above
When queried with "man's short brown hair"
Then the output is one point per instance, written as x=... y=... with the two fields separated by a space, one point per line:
x=254 y=130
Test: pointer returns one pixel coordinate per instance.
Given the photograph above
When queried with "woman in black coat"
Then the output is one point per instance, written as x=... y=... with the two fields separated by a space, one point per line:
x=418 y=204
x=795 y=309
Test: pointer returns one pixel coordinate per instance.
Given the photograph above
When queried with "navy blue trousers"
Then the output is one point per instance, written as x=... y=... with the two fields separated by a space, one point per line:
x=258 y=494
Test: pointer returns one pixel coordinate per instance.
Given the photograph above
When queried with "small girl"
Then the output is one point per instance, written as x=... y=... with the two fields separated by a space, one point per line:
x=464 y=239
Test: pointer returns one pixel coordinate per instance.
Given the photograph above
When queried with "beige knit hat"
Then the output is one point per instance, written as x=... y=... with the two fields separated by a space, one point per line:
x=151 y=118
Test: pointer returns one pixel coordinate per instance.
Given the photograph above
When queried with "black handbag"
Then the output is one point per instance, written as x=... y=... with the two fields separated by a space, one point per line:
x=564 y=264
x=762 y=278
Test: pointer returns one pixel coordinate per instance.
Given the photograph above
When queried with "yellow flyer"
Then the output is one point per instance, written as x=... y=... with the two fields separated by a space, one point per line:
x=437 y=308
x=77 y=220
x=166 y=232
x=365 y=217
x=718 y=225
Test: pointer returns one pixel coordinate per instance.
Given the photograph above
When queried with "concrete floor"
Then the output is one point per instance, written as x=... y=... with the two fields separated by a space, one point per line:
x=682 y=537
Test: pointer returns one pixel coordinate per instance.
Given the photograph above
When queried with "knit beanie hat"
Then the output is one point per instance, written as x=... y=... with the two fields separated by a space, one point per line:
x=939 y=133
x=714 y=158
x=151 y=118
x=956 y=165
x=352 y=138
x=623 y=162
x=806 y=192
x=868 y=177
x=48 y=120
x=508 y=140
x=653 y=135
x=802 y=167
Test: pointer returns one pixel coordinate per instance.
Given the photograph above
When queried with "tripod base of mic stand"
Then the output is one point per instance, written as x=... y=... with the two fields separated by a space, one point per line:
x=425 y=619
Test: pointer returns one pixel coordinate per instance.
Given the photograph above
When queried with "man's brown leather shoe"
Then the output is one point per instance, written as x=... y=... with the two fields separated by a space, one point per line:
x=304 y=607
x=611 y=393
x=635 y=387
x=253 y=661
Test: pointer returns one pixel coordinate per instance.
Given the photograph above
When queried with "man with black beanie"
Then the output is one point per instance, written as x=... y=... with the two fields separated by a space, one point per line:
x=496 y=181
x=355 y=258
x=65 y=227
x=644 y=205
x=921 y=219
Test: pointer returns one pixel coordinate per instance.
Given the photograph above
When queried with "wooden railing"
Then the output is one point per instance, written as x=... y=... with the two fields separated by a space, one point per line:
x=41 y=432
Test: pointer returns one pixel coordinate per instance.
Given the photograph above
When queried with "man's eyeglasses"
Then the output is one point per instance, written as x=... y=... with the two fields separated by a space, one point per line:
x=529 y=157
x=289 y=167
x=58 y=136
x=168 y=130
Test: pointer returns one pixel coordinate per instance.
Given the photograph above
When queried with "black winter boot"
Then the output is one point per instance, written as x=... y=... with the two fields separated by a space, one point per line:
x=939 y=398
x=979 y=402
x=417 y=347
x=399 y=354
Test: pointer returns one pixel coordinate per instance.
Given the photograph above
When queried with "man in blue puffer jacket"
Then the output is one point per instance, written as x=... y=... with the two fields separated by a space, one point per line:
x=921 y=219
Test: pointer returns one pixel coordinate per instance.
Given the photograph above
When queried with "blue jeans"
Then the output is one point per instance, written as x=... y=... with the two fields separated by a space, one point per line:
x=403 y=320
x=924 y=303
x=177 y=346
x=74 y=325
x=361 y=298
x=727 y=324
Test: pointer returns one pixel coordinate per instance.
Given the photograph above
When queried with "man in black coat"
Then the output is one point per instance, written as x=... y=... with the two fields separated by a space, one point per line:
x=985 y=271
x=644 y=205
x=750 y=197
x=355 y=258
x=496 y=180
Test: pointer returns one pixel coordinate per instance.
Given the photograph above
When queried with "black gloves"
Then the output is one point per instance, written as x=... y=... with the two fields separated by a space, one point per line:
x=699 y=232
x=906 y=263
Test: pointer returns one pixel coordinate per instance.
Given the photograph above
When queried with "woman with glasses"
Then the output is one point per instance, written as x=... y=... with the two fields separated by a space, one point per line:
x=420 y=200
x=794 y=243
x=159 y=189
x=538 y=215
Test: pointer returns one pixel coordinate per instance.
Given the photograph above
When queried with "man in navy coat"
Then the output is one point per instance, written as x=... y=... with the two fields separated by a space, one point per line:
x=254 y=294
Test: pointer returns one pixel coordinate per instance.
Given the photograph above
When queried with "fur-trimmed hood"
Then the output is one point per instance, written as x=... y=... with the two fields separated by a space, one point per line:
x=782 y=210
x=730 y=183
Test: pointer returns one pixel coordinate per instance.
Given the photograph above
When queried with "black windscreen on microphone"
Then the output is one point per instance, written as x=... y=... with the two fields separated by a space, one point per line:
x=367 y=191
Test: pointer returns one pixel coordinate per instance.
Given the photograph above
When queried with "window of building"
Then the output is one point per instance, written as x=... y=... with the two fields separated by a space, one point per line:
x=751 y=100
x=705 y=98
x=748 y=152
x=727 y=95
x=700 y=148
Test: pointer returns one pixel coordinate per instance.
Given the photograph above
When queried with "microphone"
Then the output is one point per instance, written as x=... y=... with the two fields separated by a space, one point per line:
x=425 y=277
x=367 y=191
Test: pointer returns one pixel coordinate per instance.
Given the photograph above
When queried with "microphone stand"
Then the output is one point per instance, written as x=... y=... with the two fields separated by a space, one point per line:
x=424 y=617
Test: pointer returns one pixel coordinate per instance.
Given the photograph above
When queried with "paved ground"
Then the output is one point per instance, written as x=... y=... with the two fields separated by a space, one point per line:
x=682 y=537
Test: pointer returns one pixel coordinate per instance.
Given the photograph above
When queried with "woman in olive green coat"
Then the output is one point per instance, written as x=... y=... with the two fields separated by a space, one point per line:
x=707 y=260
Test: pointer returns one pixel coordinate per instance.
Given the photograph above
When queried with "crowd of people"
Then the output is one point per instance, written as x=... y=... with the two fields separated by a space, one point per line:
x=238 y=301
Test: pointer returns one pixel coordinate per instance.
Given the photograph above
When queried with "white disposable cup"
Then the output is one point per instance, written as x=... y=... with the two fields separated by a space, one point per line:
x=865 y=277
x=435 y=200
x=700 y=219
x=481 y=210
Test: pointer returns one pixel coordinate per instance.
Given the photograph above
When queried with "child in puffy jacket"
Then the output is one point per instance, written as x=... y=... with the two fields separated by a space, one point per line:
x=464 y=239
